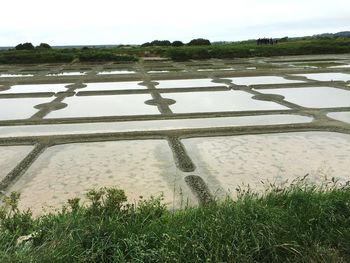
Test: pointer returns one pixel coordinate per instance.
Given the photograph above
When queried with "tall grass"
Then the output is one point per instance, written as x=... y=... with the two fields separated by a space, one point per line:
x=298 y=223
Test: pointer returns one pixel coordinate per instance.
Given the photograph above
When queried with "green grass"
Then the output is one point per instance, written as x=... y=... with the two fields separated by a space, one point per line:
x=300 y=223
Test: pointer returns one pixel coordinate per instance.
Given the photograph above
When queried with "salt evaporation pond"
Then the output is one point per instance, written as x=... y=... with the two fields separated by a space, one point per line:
x=218 y=101
x=186 y=83
x=10 y=156
x=66 y=74
x=262 y=80
x=19 y=108
x=113 y=72
x=15 y=75
x=97 y=106
x=151 y=125
x=326 y=76
x=101 y=86
x=340 y=116
x=34 y=88
x=228 y=162
x=313 y=97
x=141 y=168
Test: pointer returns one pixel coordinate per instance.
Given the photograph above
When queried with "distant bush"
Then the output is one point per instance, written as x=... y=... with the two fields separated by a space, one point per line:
x=157 y=43
x=43 y=46
x=199 y=42
x=25 y=46
x=177 y=43
x=161 y=43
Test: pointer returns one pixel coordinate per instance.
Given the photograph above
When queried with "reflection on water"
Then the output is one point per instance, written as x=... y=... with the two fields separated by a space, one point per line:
x=218 y=101
x=35 y=88
x=15 y=75
x=152 y=125
x=340 y=116
x=327 y=76
x=100 y=86
x=19 y=108
x=262 y=80
x=186 y=83
x=116 y=72
x=94 y=106
x=314 y=97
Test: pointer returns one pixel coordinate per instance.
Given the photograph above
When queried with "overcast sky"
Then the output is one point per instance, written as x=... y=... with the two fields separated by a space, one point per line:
x=88 y=22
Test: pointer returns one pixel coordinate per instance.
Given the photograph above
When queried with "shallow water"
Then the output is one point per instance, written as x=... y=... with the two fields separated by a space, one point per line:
x=100 y=86
x=19 y=108
x=158 y=71
x=262 y=80
x=10 y=156
x=113 y=105
x=228 y=162
x=116 y=72
x=141 y=168
x=15 y=75
x=66 y=74
x=326 y=76
x=313 y=97
x=218 y=101
x=35 y=88
x=340 y=116
x=186 y=83
x=128 y=126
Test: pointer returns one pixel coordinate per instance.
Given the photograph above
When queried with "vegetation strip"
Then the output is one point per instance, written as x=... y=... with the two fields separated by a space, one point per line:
x=299 y=223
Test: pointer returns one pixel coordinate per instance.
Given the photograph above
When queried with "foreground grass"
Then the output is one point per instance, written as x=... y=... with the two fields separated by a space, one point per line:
x=299 y=223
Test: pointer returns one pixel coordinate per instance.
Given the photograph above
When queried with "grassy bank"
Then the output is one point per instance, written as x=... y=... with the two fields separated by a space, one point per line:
x=250 y=49
x=245 y=49
x=64 y=56
x=295 y=224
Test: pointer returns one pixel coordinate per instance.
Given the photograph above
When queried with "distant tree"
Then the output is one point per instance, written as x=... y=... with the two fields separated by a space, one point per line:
x=44 y=46
x=25 y=46
x=177 y=43
x=199 y=42
x=161 y=43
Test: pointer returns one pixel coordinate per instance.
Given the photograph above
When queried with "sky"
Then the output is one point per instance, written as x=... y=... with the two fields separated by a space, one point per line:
x=90 y=22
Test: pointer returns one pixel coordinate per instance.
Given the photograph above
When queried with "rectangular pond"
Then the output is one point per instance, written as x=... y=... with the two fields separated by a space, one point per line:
x=326 y=76
x=35 y=88
x=113 y=72
x=217 y=101
x=314 y=97
x=262 y=80
x=340 y=116
x=10 y=156
x=15 y=75
x=61 y=74
x=226 y=163
x=97 y=106
x=140 y=168
x=101 y=86
x=151 y=125
x=186 y=83
x=19 y=108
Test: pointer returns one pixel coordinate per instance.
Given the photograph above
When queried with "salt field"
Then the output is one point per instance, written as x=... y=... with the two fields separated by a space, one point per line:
x=177 y=129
